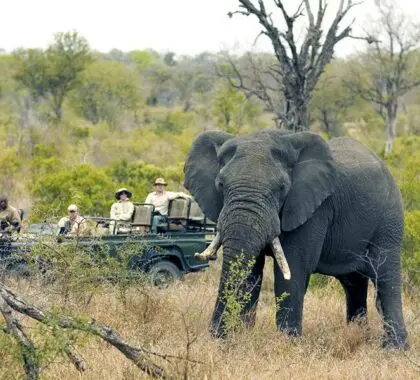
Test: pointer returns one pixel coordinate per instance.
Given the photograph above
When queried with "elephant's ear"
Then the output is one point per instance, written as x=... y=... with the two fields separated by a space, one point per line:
x=313 y=179
x=201 y=169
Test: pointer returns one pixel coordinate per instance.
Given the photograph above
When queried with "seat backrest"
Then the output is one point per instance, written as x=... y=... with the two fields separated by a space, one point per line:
x=143 y=215
x=210 y=223
x=196 y=215
x=179 y=209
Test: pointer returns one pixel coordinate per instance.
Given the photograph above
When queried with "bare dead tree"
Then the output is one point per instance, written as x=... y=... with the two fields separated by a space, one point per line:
x=387 y=71
x=256 y=75
x=300 y=65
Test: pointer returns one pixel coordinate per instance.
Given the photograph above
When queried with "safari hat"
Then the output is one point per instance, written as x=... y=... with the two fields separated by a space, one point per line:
x=160 y=181
x=72 y=208
x=123 y=190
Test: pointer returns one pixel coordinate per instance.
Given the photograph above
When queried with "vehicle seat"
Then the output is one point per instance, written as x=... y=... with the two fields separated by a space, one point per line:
x=142 y=218
x=178 y=212
x=196 y=217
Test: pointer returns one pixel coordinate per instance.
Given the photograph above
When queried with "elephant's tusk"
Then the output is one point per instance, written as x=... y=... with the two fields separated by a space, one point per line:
x=211 y=251
x=280 y=257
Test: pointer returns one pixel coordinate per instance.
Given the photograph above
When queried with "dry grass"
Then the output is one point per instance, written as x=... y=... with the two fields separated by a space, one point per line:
x=162 y=320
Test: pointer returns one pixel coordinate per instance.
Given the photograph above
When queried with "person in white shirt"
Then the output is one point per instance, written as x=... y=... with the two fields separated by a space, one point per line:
x=160 y=199
x=73 y=224
x=123 y=209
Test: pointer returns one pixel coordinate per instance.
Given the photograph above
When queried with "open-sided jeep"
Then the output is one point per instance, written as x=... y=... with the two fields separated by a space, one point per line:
x=165 y=256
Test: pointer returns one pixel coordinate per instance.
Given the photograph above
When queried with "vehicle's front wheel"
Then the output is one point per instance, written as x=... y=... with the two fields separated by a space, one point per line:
x=164 y=273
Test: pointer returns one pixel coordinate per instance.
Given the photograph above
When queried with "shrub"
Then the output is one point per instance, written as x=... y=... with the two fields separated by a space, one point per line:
x=88 y=187
x=411 y=247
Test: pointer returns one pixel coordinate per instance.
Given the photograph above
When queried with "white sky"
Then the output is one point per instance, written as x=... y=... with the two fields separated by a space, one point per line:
x=182 y=26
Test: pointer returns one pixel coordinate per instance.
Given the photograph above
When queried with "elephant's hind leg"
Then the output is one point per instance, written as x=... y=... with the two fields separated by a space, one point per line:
x=385 y=272
x=356 y=288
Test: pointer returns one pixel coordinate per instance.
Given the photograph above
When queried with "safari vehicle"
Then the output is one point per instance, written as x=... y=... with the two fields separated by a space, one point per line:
x=165 y=256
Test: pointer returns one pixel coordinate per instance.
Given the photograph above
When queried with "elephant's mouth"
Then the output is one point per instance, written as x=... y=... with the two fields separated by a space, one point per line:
x=275 y=246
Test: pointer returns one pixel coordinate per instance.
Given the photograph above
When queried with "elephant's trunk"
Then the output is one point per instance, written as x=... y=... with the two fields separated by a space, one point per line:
x=248 y=233
x=243 y=236
x=237 y=297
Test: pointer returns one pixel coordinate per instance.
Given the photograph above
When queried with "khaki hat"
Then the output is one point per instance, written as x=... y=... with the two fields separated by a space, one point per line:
x=160 y=181
x=72 y=208
x=123 y=190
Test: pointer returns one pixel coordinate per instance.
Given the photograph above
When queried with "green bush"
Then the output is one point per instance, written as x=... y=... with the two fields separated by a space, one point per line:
x=411 y=247
x=139 y=177
x=404 y=163
x=88 y=187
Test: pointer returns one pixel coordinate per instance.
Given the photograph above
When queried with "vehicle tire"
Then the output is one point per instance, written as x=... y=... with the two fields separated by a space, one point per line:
x=164 y=273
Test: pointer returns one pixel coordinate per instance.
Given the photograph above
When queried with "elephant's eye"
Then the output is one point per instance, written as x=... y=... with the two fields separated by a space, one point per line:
x=220 y=162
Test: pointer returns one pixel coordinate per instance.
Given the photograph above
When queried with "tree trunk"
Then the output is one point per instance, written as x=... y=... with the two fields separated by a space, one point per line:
x=296 y=112
x=391 y=127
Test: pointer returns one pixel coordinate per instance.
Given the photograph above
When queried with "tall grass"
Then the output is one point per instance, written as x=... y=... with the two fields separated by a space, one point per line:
x=175 y=321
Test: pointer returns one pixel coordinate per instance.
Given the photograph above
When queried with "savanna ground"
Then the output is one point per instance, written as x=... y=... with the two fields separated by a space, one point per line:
x=175 y=321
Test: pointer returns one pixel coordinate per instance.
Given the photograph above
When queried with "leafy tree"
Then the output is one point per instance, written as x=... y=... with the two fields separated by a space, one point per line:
x=7 y=85
x=174 y=123
x=144 y=59
x=411 y=248
x=88 y=187
x=53 y=73
x=118 y=55
x=9 y=165
x=389 y=69
x=404 y=163
x=232 y=108
x=331 y=100
x=169 y=59
x=46 y=160
x=139 y=177
x=106 y=89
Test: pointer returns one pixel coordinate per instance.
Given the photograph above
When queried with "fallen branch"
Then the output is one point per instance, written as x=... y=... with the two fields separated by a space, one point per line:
x=9 y=301
x=29 y=357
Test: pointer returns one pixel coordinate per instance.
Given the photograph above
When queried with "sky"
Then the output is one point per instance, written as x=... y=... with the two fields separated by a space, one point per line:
x=182 y=26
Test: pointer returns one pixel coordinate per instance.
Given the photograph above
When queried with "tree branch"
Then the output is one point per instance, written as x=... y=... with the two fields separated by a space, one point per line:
x=136 y=355
x=29 y=356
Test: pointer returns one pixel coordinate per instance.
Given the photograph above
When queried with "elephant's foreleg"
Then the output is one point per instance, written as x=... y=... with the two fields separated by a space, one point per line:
x=356 y=288
x=289 y=301
x=302 y=248
x=234 y=296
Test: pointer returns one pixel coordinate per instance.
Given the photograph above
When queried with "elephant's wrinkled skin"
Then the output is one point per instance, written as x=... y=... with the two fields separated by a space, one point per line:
x=334 y=205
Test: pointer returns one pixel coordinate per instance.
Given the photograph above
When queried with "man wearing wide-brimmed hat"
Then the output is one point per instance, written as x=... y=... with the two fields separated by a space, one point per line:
x=123 y=209
x=160 y=199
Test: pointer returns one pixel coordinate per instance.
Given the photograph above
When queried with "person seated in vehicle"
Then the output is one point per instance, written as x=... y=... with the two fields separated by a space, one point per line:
x=122 y=210
x=73 y=224
x=160 y=199
x=9 y=216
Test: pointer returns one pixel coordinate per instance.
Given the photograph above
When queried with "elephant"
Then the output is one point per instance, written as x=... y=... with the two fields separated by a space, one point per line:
x=314 y=206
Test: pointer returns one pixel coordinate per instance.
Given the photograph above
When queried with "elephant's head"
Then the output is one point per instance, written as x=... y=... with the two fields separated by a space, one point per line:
x=258 y=185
